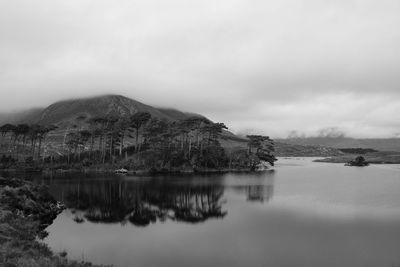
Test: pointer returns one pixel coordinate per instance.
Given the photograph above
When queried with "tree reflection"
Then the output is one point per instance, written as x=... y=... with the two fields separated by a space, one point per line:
x=142 y=203
x=260 y=193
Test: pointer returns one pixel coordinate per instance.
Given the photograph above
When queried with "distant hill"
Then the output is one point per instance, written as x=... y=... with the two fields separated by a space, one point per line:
x=384 y=144
x=293 y=150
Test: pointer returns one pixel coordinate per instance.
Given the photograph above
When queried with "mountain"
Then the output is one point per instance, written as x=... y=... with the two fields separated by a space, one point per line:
x=65 y=113
x=74 y=114
x=381 y=144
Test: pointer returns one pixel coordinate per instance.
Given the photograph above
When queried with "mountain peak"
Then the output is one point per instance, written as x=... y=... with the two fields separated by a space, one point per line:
x=65 y=112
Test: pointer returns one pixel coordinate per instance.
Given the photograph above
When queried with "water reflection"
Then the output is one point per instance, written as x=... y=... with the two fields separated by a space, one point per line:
x=257 y=187
x=314 y=215
x=260 y=193
x=139 y=202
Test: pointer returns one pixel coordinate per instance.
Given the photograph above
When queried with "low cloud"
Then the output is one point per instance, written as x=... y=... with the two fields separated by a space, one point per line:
x=271 y=67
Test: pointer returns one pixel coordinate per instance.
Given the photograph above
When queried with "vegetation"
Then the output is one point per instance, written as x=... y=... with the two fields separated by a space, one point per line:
x=26 y=210
x=20 y=135
x=136 y=142
x=358 y=161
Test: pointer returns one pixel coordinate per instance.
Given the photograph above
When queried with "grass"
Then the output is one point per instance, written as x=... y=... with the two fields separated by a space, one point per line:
x=26 y=210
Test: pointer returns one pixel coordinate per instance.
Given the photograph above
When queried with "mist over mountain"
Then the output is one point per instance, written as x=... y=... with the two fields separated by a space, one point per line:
x=336 y=138
x=329 y=132
x=74 y=113
x=20 y=116
x=65 y=112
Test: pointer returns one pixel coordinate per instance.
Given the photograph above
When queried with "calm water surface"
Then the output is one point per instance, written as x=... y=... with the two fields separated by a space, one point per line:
x=300 y=214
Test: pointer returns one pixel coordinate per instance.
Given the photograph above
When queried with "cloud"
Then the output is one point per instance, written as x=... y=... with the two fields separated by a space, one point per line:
x=270 y=66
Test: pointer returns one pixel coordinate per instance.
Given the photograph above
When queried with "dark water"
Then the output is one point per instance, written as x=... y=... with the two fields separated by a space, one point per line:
x=301 y=214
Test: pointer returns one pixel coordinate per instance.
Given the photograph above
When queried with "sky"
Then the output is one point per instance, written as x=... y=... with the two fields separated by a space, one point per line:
x=269 y=67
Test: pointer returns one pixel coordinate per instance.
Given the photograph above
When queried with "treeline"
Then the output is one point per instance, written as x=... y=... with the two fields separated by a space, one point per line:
x=23 y=139
x=141 y=141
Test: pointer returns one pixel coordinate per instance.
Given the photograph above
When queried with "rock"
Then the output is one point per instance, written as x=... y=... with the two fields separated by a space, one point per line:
x=358 y=162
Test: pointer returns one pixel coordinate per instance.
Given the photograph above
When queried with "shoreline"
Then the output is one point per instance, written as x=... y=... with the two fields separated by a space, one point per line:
x=140 y=172
x=26 y=210
x=369 y=159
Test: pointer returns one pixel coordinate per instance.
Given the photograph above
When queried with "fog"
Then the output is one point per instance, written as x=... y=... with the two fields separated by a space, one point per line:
x=259 y=66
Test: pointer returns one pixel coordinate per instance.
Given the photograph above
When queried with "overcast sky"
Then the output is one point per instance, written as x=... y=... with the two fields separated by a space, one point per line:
x=259 y=66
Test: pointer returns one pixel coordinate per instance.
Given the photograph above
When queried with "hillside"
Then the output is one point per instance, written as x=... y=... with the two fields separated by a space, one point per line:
x=66 y=115
x=66 y=112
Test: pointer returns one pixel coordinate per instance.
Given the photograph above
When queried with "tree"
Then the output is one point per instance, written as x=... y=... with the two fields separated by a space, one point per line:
x=358 y=161
x=213 y=132
x=211 y=152
x=21 y=130
x=101 y=126
x=109 y=135
x=189 y=128
x=96 y=128
x=84 y=136
x=264 y=148
x=122 y=128
x=196 y=123
x=33 y=135
x=137 y=120
x=15 y=135
x=162 y=145
x=72 y=142
x=42 y=134
x=6 y=128
x=24 y=131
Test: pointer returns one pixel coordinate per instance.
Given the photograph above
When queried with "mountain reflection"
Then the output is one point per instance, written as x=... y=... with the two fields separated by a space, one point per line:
x=141 y=202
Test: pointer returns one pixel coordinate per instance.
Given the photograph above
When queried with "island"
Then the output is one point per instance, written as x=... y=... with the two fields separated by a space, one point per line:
x=115 y=133
x=358 y=162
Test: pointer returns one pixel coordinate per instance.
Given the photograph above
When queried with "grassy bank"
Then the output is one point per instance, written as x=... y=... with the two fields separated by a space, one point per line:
x=26 y=209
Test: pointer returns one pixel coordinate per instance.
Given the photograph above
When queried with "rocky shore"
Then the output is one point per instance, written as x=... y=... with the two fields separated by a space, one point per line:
x=26 y=209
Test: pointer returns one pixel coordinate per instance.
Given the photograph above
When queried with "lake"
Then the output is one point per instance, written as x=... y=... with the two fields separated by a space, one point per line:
x=300 y=214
